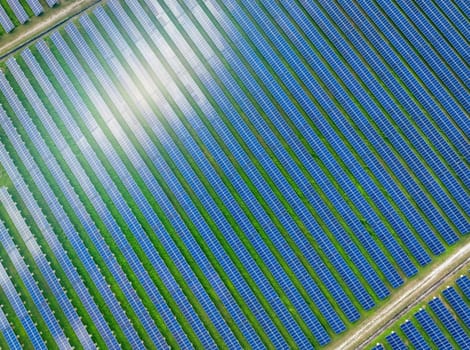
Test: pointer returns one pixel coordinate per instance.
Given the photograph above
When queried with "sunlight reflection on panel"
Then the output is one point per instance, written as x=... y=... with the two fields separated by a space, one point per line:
x=169 y=55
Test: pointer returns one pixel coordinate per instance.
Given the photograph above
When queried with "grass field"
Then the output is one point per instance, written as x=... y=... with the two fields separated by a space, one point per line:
x=228 y=174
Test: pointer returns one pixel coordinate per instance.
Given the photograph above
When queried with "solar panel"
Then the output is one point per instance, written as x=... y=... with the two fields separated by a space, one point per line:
x=5 y=21
x=395 y=341
x=449 y=322
x=414 y=336
x=18 y=10
x=35 y=7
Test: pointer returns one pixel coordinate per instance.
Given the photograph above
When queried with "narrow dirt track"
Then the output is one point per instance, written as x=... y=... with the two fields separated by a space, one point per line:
x=404 y=300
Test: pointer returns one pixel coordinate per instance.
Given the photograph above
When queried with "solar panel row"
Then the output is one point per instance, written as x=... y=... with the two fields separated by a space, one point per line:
x=5 y=21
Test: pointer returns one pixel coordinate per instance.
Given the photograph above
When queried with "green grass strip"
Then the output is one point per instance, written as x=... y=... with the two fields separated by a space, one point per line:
x=5 y=180
x=26 y=8
x=10 y=12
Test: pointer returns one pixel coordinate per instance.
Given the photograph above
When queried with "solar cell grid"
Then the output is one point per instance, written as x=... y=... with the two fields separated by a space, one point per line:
x=260 y=128
x=414 y=336
x=439 y=49
x=33 y=289
x=78 y=171
x=35 y=7
x=20 y=310
x=395 y=342
x=432 y=330
x=420 y=68
x=464 y=284
x=453 y=327
x=5 y=21
x=18 y=10
x=148 y=211
x=458 y=304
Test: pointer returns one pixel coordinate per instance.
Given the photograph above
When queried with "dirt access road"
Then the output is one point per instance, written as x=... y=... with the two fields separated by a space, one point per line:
x=405 y=299
x=23 y=36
